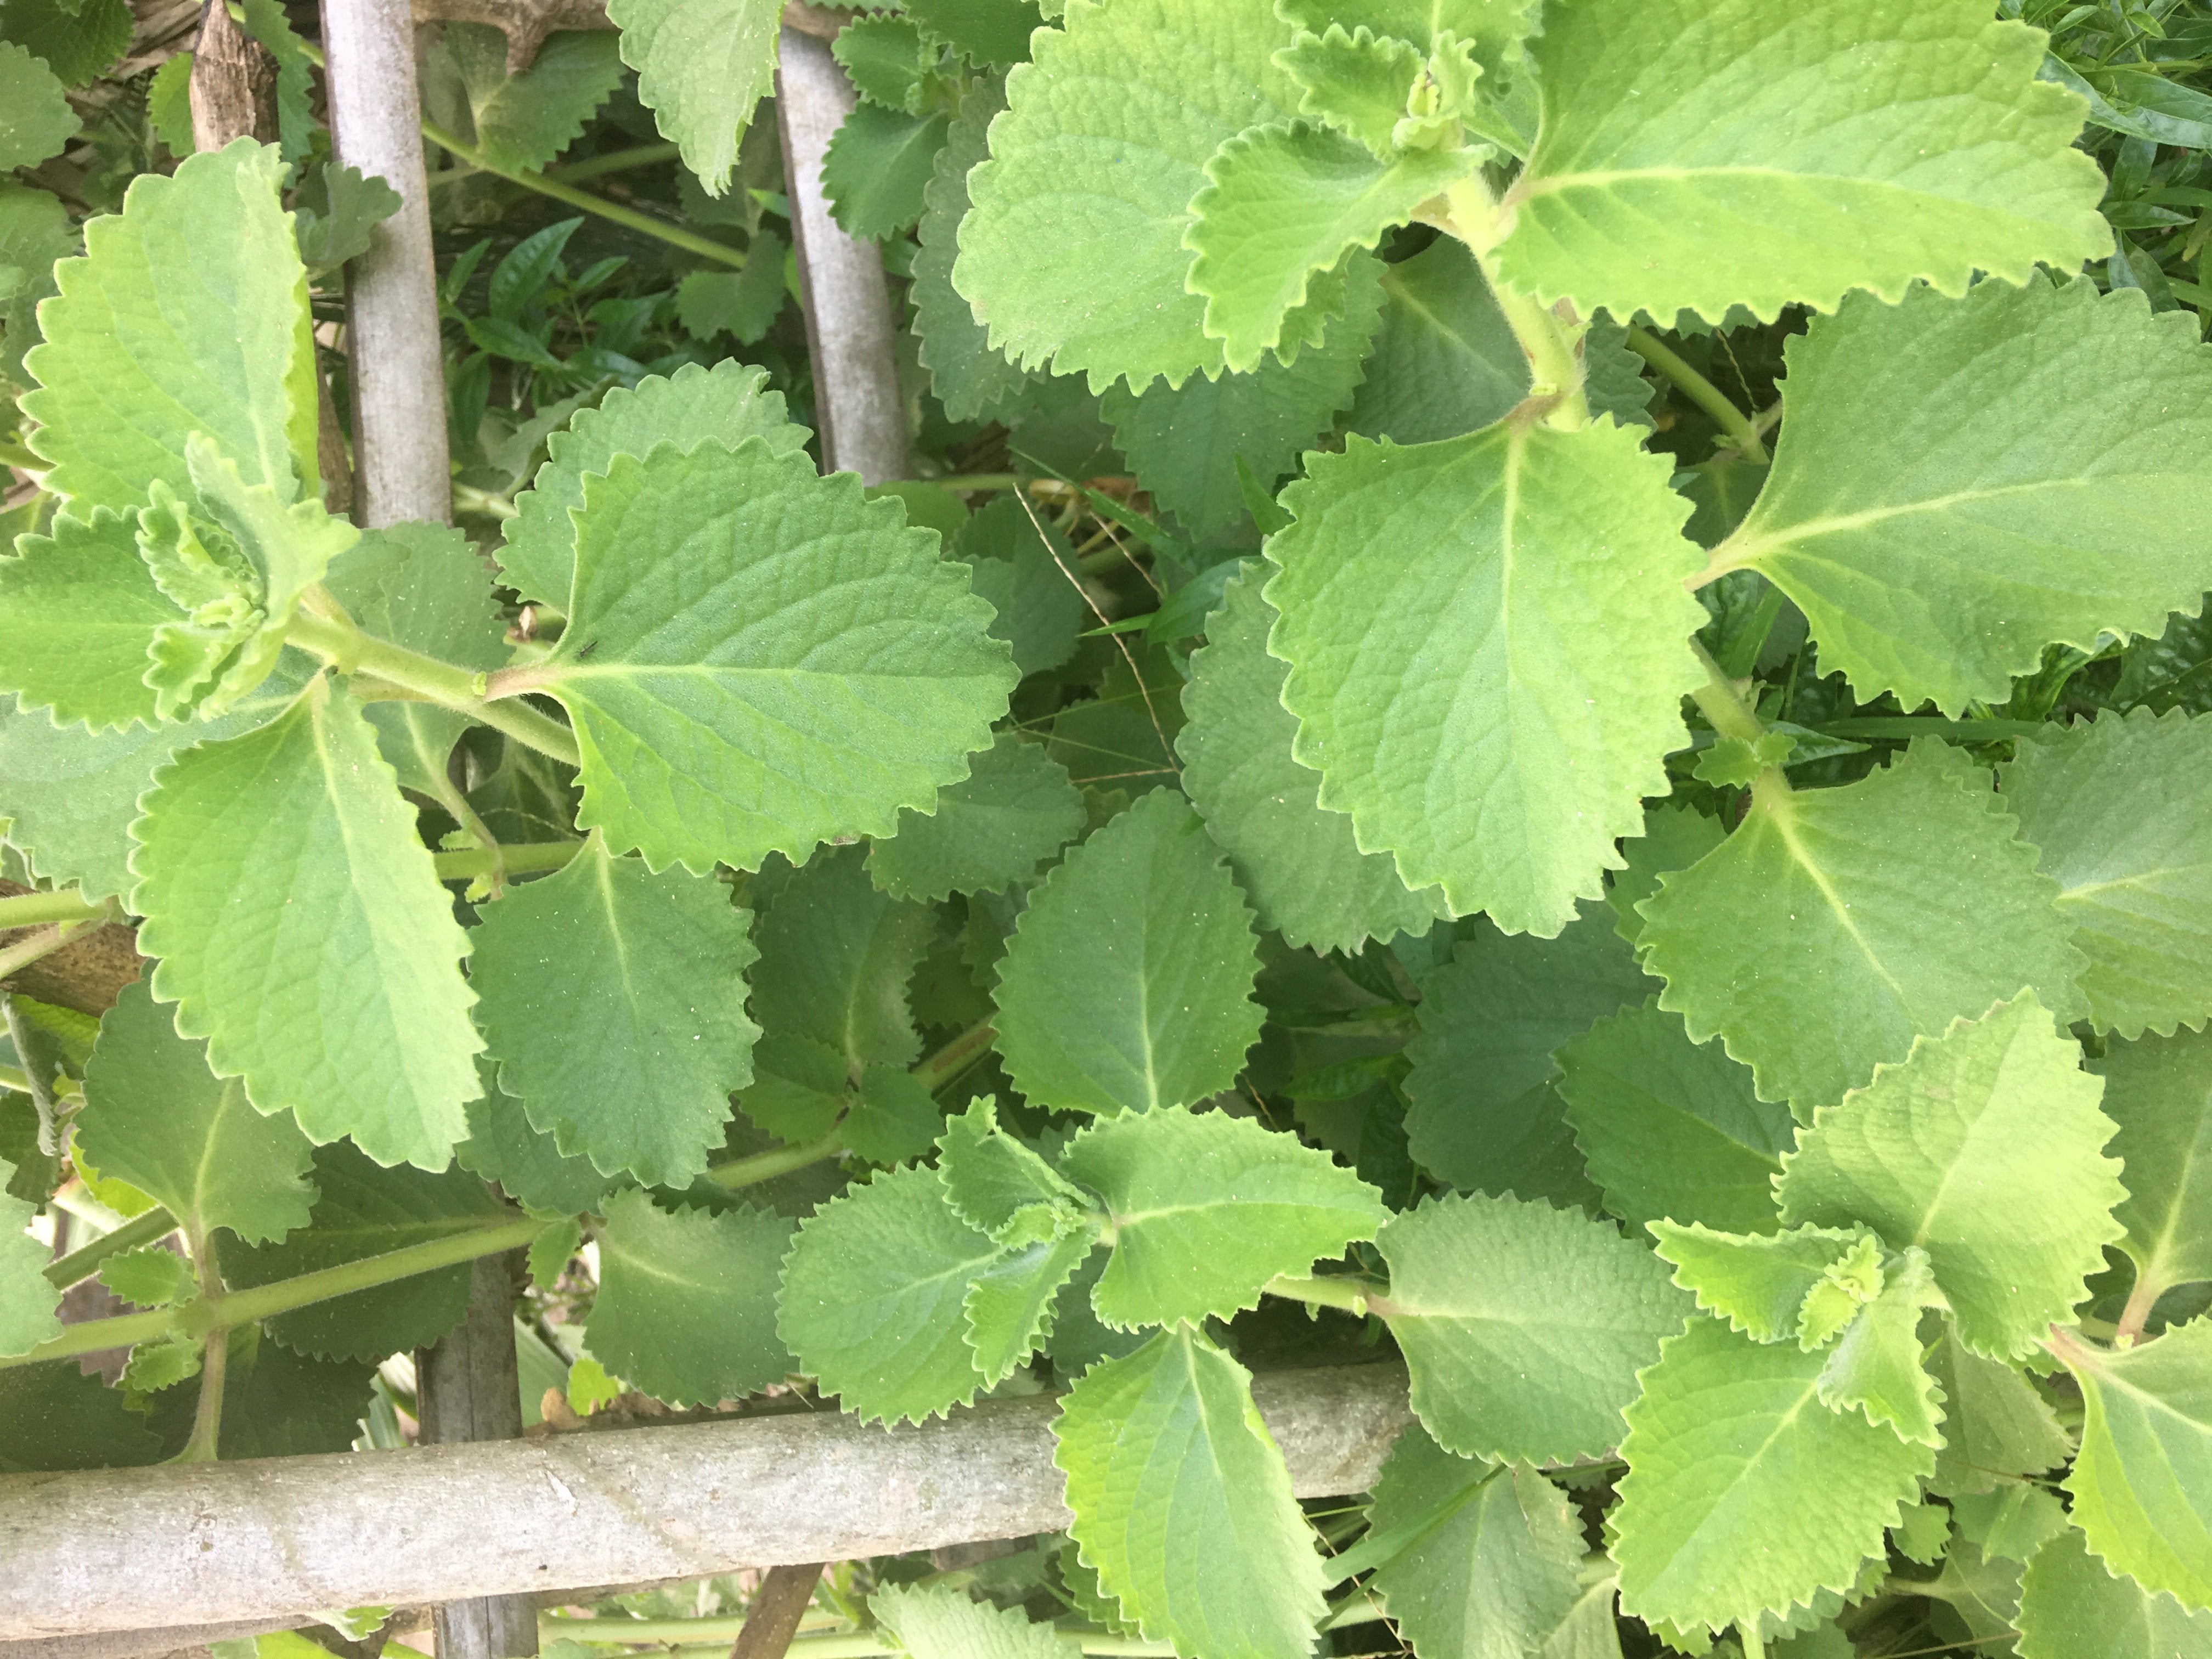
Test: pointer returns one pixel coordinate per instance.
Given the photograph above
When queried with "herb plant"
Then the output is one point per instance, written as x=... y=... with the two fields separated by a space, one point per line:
x=1688 y=923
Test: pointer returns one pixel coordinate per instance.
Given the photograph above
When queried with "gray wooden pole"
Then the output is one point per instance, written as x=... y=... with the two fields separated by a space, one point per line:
x=222 y=1543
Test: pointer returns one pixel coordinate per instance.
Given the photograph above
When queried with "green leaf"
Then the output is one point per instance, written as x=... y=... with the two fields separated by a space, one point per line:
x=1445 y=362
x=1128 y=984
x=1204 y=1209
x=878 y=165
x=2073 y=1607
x=340 y=209
x=188 y=314
x=35 y=117
x=1073 y=254
x=1025 y=568
x=265 y=21
x=998 y=1185
x=275 y=1403
x=82 y=612
x=835 y=955
x=2118 y=811
x=1697 y=155
x=1500 y=762
x=2050 y=509
x=77 y=41
x=1356 y=82
x=1884 y=910
x=2158 y=1091
x=744 y=302
x=937 y=1621
x=1010 y=1307
x=521 y=121
x=686 y=1306
x=872 y=1294
x=1281 y=205
x=367 y=1210
x=643 y=975
x=702 y=66
x=61 y=1417
x=528 y=1167
x=34 y=233
x=886 y=59
x=758 y=660
x=2010 y=1523
x=242 y=908
x=982 y=31
x=1670 y=1127
x=2141 y=1487
x=1014 y=810
x=1493 y=26
x=966 y=373
x=154 y=1115
x=1184 y=442
x=1875 y=1366
x=1122 y=740
x=1985 y=1149
x=727 y=403
x=27 y=1301
x=1523 y=1326
x=1497 y=1570
x=1767 y=1285
x=1724 y=1445
x=1996 y=1425
x=1674 y=837
x=1305 y=874
x=1482 y=1062
x=150 y=1277
x=1183 y=1504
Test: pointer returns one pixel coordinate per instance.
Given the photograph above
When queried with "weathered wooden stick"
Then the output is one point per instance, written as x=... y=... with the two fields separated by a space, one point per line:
x=219 y=1543
x=773 y=1615
x=234 y=84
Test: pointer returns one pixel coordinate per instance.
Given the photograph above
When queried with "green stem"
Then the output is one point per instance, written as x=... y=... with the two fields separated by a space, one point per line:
x=620 y=160
x=514 y=858
x=1552 y=344
x=64 y=904
x=629 y=218
x=1739 y=427
x=980 y=481
x=43 y=943
x=351 y=651
x=1719 y=701
x=84 y=1262
x=956 y=1056
x=215 y=1358
x=2136 y=1314
x=766 y=1166
x=467 y=498
x=1355 y=1296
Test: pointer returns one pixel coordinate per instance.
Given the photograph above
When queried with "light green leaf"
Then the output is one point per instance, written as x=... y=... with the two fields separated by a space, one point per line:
x=35 y=117
x=2073 y=1607
x=1025 y=569
x=155 y=1116
x=1996 y=1426
x=1724 y=1445
x=83 y=612
x=1985 y=1149
x=937 y=1621
x=529 y=1168
x=27 y=1301
x=1498 y=1569
x=686 y=1308
x=878 y=166
x=966 y=373
x=1499 y=762
x=1204 y=1209
x=1875 y=1366
x=1014 y=810
x=702 y=66
x=1761 y=1283
x=1010 y=1306
x=1305 y=874
x=727 y=404
x=1671 y=1127
x=1482 y=1060
x=1184 y=442
x=520 y=121
x=998 y=1185
x=758 y=660
x=1696 y=156
x=643 y=975
x=1495 y=27
x=243 y=907
x=1183 y=1504
x=149 y=1277
x=1128 y=984
x=1280 y=206
x=161 y=1362
x=1523 y=1326
x=1073 y=254
x=34 y=233
x=873 y=1295
x=885 y=58
x=2011 y=1522
x=188 y=314
x=1445 y=360
x=2143 y=1485
x=2053 y=508
x=340 y=209
x=2158 y=1091
x=744 y=302
x=2119 y=812
x=1836 y=925
x=1351 y=80
x=364 y=1210
x=893 y=1118
x=1674 y=838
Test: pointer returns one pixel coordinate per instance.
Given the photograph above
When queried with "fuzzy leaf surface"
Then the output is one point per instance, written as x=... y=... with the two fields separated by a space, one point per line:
x=878 y=169
x=1836 y=925
x=938 y=1621
x=1488 y=642
x=1758 y=1282
x=1875 y=1366
x=1127 y=985
x=27 y=1301
x=2142 y=1484
x=835 y=955
x=1995 y=1425
x=523 y=121
x=1696 y=156
x=530 y=1168
x=1523 y=1326
x=2019 y=463
x=1014 y=810
x=1183 y=1504
x=702 y=66
x=2158 y=1091
x=998 y=1184
x=686 y=1308
x=2074 y=1607
x=82 y=613
x=758 y=660
x=308 y=940
x=1985 y=1149
x=35 y=118
x=1022 y=567
x=1010 y=1307
x=967 y=374
x=1445 y=362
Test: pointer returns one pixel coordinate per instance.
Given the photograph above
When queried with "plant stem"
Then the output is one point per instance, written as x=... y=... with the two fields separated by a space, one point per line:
x=1722 y=705
x=64 y=904
x=81 y=1263
x=43 y=943
x=781 y=1160
x=467 y=498
x=620 y=160
x=980 y=481
x=523 y=858
x=2136 y=1314
x=955 y=1057
x=629 y=218
x=1740 y=427
x=351 y=651
x=215 y=1358
x=1552 y=344
x=1356 y=1295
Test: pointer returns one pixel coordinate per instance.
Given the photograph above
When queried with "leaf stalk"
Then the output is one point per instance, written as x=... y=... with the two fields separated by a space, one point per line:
x=1742 y=431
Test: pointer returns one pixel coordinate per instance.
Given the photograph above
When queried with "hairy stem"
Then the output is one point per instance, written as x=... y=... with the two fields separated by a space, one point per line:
x=351 y=651
x=25 y=952
x=1721 y=704
x=1552 y=343
x=1742 y=431
x=620 y=160
x=83 y=1262
x=955 y=1057
x=2136 y=1314
x=215 y=1358
x=1354 y=1295
x=525 y=858
x=780 y=1161
x=64 y=904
